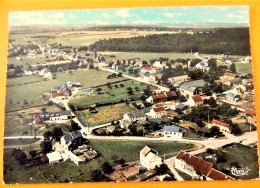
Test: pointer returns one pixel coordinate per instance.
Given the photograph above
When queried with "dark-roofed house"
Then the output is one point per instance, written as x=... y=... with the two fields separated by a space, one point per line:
x=188 y=90
x=233 y=98
x=173 y=131
x=198 y=168
x=72 y=140
x=149 y=158
x=181 y=107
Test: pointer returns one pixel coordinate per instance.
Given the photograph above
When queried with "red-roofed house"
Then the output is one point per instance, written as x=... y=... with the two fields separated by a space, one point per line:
x=161 y=97
x=229 y=76
x=250 y=113
x=198 y=168
x=151 y=70
x=157 y=112
x=57 y=97
x=223 y=127
x=195 y=100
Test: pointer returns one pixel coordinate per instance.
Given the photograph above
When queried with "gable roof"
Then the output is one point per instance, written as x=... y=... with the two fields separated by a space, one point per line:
x=173 y=128
x=181 y=106
x=230 y=74
x=220 y=123
x=203 y=167
x=54 y=95
x=232 y=95
x=160 y=109
x=217 y=175
x=197 y=98
x=145 y=150
x=171 y=94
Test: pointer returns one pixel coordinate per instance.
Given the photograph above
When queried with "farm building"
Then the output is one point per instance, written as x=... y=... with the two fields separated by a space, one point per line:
x=149 y=158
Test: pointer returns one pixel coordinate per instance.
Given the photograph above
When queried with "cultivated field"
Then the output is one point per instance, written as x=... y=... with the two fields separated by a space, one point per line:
x=68 y=171
x=77 y=38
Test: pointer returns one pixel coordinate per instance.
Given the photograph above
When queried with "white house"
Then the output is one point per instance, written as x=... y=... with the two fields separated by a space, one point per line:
x=149 y=158
x=195 y=100
x=61 y=117
x=203 y=65
x=54 y=157
x=173 y=131
x=147 y=77
x=151 y=70
x=27 y=72
x=157 y=112
x=45 y=73
x=223 y=127
x=57 y=97
x=198 y=168
x=134 y=116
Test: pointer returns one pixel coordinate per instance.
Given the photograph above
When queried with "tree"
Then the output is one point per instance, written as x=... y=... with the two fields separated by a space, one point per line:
x=47 y=134
x=206 y=89
x=212 y=64
x=162 y=169
x=98 y=90
x=33 y=153
x=143 y=97
x=122 y=162
x=212 y=102
x=232 y=68
x=57 y=133
x=25 y=102
x=200 y=123
x=75 y=126
x=119 y=74
x=21 y=157
x=98 y=176
x=107 y=168
x=43 y=110
x=46 y=146
x=214 y=131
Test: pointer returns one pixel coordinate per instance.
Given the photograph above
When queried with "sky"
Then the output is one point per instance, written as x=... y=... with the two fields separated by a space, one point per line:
x=136 y=16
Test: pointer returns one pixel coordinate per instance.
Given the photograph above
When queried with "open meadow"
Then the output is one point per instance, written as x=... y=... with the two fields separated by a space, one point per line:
x=31 y=88
x=68 y=171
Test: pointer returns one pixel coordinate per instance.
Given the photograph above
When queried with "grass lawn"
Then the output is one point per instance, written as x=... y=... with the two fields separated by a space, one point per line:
x=184 y=175
x=15 y=173
x=189 y=134
x=110 y=95
x=127 y=73
x=196 y=83
x=244 y=156
x=244 y=67
x=32 y=87
x=246 y=127
x=21 y=141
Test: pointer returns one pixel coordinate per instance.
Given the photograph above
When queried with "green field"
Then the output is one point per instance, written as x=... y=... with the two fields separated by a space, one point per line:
x=110 y=95
x=244 y=67
x=42 y=173
x=19 y=142
x=29 y=60
x=31 y=88
x=246 y=157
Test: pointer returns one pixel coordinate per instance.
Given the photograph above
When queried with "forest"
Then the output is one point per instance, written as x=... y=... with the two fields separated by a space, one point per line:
x=231 y=41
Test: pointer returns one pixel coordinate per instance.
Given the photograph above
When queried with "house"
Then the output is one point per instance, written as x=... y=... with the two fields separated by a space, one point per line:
x=27 y=72
x=183 y=78
x=57 y=97
x=223 y=127
x=233 y=98
x=188 y=90
x=45 y=73
x=229 y=82
x=198 y=168
x=249 y=113
x=148 y=77
x=203 y=65
x=134 y=116
x=72 y=140
x=181 y=107
x=149 y=158
x=38 y=121
x=173 y=131
x=87 y=92
x=161 y=97
x=151 y=70
x=229 y=60
x=61 y=117
x=195 y=100
x=157 y=112
x=54 y=157
x=245 y=75
x=229 y=76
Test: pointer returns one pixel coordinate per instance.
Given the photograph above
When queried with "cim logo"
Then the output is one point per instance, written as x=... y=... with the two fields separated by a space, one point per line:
x=239 y=171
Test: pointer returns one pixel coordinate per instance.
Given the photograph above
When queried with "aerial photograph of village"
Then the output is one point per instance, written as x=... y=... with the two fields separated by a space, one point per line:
x=130 y=95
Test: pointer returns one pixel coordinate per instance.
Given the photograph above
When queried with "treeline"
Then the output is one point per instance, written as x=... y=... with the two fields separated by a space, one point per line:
x=228 y=41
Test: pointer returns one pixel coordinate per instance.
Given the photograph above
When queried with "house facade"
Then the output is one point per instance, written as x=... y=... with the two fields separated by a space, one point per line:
x=195 y=100
x=173 y=131
x=223 y=127
x=149 y=158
